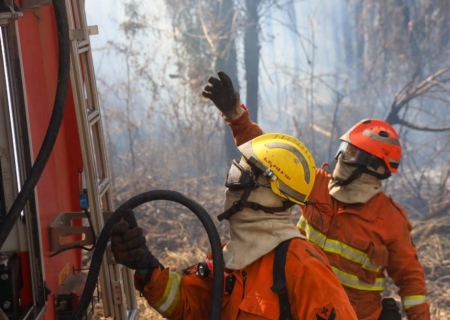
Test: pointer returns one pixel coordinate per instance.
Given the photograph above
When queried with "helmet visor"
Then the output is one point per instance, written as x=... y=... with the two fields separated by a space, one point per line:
x=354 y=156
x=350 y=153
x=239 y=178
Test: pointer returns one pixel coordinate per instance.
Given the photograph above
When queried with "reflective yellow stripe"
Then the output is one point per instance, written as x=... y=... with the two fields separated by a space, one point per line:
x=352 y=281
x=166 y=304
x=334 y=246
x=411 y=301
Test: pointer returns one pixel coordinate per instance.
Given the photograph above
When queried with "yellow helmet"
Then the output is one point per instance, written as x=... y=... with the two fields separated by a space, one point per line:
x=286 y=161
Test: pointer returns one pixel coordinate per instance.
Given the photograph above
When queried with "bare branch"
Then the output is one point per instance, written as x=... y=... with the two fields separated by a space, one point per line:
x=204 y=27
x=408 y=93
x=421 y=127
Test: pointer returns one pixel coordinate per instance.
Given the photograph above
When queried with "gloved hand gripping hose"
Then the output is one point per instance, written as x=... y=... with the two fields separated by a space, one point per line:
x=102 y=241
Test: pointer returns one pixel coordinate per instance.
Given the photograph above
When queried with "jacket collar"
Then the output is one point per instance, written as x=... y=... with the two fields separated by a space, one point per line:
x=368 y=211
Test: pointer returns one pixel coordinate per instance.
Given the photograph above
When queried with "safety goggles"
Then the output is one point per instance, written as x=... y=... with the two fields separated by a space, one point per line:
x=354 y=156
x=239 y=178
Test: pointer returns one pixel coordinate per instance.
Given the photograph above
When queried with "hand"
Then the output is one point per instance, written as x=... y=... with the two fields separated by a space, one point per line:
x=129 y=248
x=222 y=94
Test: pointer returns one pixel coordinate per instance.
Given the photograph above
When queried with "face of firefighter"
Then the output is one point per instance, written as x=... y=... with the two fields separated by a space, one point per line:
x=343 y=171
x=262 y=194
x=359 y=191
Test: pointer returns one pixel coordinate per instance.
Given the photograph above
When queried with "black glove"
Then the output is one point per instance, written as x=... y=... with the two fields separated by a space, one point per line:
x=128 y=245
x=390 y=310
x=222 y=94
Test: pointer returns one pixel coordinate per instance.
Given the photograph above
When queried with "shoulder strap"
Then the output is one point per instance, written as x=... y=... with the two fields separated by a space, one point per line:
x=279 y=279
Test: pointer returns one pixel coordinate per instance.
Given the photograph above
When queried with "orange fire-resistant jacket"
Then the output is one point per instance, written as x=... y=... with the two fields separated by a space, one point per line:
x=361 y=241
x=313 y=290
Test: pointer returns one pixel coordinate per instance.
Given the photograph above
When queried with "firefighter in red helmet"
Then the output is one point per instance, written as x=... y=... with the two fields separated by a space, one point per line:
x=364 y=232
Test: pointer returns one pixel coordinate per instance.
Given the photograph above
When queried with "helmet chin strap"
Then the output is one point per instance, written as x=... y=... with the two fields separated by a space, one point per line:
x=243 y=203
x=357 y=174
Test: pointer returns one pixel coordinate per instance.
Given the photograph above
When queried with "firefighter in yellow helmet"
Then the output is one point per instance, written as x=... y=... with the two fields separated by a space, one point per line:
x=362 y=231
x=271 y=270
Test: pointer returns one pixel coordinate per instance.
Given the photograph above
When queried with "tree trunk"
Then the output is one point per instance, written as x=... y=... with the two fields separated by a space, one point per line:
x=252 y=51
x=227 y=62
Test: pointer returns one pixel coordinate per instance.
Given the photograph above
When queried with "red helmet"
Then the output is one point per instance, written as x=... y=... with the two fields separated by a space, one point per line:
x=375 y=138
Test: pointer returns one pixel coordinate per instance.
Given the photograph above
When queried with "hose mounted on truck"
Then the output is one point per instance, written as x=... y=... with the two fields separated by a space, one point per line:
x=103 y=238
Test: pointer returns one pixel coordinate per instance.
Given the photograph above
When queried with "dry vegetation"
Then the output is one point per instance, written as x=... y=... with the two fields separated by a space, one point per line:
x=432 y=239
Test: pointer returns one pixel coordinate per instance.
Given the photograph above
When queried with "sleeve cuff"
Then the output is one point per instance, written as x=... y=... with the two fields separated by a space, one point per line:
x=142 y=272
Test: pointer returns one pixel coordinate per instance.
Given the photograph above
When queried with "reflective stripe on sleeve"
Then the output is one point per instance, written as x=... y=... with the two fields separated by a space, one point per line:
x=411 y=301
x=166 y=304
x=337 y=247
x=352 y=281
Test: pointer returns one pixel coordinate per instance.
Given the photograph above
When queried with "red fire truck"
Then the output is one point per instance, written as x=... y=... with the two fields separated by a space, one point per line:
x=55 y=192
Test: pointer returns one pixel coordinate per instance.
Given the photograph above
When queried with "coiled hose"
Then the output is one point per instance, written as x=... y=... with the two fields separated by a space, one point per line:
x=103 y=238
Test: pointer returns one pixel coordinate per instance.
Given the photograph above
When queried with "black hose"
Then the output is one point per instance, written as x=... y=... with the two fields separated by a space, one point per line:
x=103 y=238
x=53 y=127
